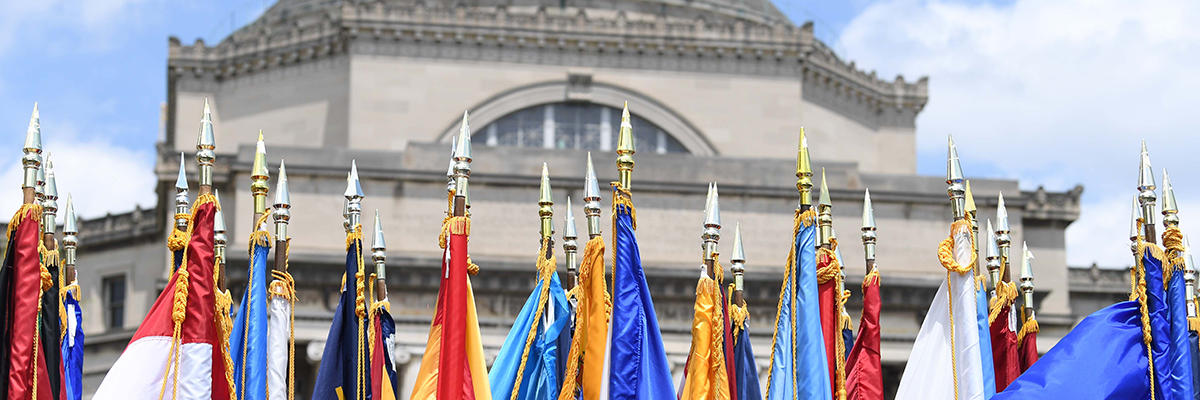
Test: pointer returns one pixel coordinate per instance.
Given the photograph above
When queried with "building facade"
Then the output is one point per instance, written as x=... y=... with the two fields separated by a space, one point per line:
x=718 y=89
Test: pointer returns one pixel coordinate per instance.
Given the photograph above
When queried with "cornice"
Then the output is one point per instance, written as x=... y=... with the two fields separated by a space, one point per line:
x=569 y=36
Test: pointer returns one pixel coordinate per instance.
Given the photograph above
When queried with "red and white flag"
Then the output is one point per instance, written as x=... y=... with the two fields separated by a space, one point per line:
x=172 y=354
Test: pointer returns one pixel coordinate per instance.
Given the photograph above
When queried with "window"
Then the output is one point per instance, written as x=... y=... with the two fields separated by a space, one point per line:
x=114 y=301
x=582 y=126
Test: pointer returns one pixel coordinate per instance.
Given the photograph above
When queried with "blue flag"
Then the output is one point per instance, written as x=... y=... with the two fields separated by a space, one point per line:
x=638 y=361
x=1194 y=339
x=745 y=368
x=1104 y=357
x=985 y=341
x=1180 y=356
x=798 y=366
x=541 y=377
x=248 y=340
x=1170 y=383
x=344 y=371
x=72 y=348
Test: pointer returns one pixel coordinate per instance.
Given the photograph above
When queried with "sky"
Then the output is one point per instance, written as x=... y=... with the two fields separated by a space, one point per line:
x=1053 y=93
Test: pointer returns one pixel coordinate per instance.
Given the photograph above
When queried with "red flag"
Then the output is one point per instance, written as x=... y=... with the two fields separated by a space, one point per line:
x=185 y=348
x=25 y=297
x=1004 y=347
x=828 y=273
x=1027 y=344
x=864 y=371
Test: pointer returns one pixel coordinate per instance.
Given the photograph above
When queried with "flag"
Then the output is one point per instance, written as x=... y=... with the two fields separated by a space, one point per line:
x=1179 y=350
x=1169 y=379
x=847 y=325
x=637 y=361
x=829 y=275
x=864 y=370
x=343 y=372
x=23 y=279
x=173 y=351
x=1027 y=344
x=383 y=368
x=1006 y=362
x=745 y=369
x=50 y=321
x=585 y=363
x=986 y=349
x=527 y=366
x=280 y=340
x=453 y=365
x=1104 y=357
x=248 y=345
x=1194 y=338
x=945 y=362
x=707 y=376
x=798 y=361
x=72 y=345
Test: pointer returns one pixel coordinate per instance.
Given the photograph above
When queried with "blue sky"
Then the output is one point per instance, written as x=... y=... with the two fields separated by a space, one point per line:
x=1032 y=89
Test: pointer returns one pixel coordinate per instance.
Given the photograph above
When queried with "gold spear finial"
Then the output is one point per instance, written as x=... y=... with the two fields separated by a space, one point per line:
x=625 y=149
x=259 y=177
x=545 y=204
x=219 y=237
x=825 y=213
x=804 y=172
x=712 y=224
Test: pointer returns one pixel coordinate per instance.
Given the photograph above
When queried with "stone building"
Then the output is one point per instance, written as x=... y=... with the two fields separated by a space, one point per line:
x=718 y=90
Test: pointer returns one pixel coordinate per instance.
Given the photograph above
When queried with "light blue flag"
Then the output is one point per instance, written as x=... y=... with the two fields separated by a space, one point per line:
x=798 y=366
x=638 y=362
x=985 y=342
x=248 y=340
x=541 y=378
x=72 y=349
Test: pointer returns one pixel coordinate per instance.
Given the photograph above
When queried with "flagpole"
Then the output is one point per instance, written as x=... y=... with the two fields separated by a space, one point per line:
x=868 y=231
x=282 y=214
x=954 y=178
x=804 y=174
x=570 y=247
x=591 y=199
x=219 y=237
x=972 y=213
x=1003 y=240
x=49 y=206
x=546 y=212
x=1146 y=197
x=258 y=181
x=206 y=156
x=70 y=240
x=992 y=257
x=738 y=266
x=1027 y=283
x=825 y=214
x=379 y=257
x=462 y=169
x=625 y=150
x=712 y=231
x=32 y=160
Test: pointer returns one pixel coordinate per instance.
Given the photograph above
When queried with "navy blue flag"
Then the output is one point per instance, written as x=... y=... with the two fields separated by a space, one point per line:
x=344 y=372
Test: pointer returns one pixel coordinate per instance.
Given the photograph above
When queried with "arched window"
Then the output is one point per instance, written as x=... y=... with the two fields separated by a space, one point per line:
x=573 y=125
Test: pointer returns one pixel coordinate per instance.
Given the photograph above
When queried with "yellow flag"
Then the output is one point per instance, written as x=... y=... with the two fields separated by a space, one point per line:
x=706 y=375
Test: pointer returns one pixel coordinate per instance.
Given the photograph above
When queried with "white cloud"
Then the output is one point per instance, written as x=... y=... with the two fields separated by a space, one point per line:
x=100 y=175
x=1053 y=92
x=87 y=25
